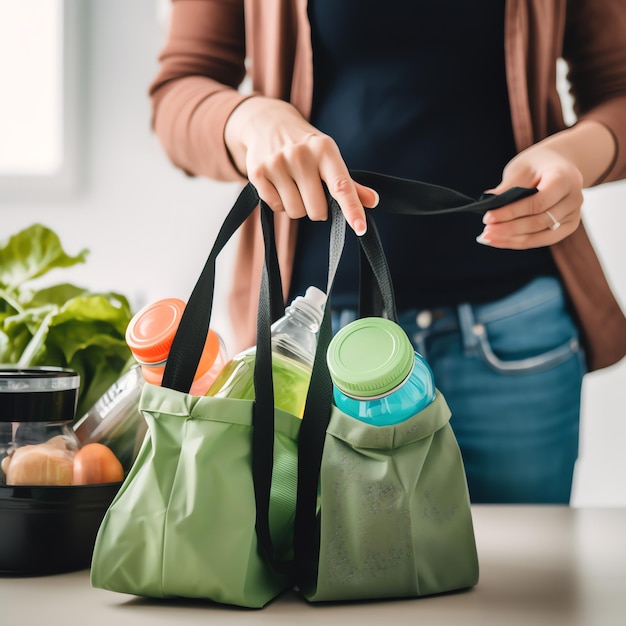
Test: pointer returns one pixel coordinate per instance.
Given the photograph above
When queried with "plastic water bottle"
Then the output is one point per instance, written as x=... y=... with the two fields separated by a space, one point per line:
x=378 y=377
x=149 y=336
x=115 y=419
x=294 y=341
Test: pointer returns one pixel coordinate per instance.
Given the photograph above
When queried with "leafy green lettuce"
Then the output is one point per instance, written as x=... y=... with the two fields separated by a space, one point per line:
x=61 y=325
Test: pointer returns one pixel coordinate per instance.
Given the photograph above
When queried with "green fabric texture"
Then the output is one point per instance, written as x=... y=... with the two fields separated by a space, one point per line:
x=395 y=518
x=183 y=522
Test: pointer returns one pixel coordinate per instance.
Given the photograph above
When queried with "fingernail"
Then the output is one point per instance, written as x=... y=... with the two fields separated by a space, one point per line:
x=360 y=227
x=375 y=201
x=487 y=217
x=482 y=239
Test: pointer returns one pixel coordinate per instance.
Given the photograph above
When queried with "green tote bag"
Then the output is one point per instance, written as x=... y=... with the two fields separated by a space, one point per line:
x=394 y=512
x=234 y=501
x=184 y=521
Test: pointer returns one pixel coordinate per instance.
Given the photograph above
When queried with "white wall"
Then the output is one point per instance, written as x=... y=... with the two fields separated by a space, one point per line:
x=149 y=227
x=601 y=471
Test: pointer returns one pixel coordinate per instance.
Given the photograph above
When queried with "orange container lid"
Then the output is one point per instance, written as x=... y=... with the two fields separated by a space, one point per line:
x=151 y=331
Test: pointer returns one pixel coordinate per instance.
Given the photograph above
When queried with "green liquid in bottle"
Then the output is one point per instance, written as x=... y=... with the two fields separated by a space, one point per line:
x=291 y=381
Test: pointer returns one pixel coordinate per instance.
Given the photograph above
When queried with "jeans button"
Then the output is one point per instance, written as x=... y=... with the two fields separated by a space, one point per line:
x=424 y=319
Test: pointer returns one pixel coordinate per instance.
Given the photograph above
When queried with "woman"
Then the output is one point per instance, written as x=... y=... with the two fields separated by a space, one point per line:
x=459 y=95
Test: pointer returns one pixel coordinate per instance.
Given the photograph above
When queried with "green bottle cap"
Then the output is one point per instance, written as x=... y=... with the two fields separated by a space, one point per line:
x=370 y=357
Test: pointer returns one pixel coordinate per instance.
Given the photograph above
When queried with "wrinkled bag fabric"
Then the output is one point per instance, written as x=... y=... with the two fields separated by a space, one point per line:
x=395 y=517
x=183 y=522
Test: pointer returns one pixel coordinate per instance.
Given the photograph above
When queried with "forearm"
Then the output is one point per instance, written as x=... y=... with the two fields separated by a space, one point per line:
x=589 y=146
x=593 y=47
x=189 y=120
x=196 y=87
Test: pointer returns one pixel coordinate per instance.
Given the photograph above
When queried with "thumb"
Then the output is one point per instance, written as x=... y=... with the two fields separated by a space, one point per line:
x=515 y=174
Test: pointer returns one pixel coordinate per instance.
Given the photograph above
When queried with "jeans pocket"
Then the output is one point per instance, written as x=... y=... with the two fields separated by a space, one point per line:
x=534 y=333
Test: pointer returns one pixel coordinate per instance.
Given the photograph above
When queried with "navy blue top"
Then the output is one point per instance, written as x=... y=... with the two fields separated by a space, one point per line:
x=417 y=90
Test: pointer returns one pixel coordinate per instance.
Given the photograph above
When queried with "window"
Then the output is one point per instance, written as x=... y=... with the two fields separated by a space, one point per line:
x=38 y=72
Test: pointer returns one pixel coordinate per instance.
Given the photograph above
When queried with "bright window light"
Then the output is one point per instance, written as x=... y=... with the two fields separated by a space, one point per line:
x=31 y=79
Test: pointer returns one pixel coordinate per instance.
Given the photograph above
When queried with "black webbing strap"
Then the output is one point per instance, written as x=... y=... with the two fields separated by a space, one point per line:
x=263 y=417
x=187 y=346
x=411 y=197
x=376 y=296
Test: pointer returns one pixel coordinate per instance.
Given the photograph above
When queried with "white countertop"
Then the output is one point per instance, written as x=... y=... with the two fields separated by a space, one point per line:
x=540 y=566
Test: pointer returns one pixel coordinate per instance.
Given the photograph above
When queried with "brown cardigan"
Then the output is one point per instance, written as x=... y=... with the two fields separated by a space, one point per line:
x=203 y=65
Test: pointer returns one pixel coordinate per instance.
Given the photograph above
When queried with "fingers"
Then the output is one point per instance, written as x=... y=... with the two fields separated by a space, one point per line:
x=554 y=186
x=291 y=181
x=369 y=197
x=343 y=189
x=532 y=231
x=526 y=224
x=275 y=199
x=288 y=161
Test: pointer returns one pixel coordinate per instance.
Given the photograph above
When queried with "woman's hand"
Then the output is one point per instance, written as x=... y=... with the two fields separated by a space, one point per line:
x=543 y=218
x=287 y=159
x=560 y=167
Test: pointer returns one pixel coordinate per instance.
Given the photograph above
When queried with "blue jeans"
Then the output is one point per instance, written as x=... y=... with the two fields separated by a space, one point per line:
x=511 y=372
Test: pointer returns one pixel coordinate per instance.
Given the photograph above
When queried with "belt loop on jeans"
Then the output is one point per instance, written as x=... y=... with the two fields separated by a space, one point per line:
x=467 y=325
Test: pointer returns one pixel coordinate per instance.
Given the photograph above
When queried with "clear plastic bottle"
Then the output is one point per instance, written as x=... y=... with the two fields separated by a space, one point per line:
x=150 y=333
x=115 y=419
x=378 y=377
x=294 y=341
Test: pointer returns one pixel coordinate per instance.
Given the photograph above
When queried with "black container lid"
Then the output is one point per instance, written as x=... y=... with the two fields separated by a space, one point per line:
x=38 y=394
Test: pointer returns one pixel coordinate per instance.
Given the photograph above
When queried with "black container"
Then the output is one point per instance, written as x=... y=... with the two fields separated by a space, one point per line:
x=50 y=530
x=44 y=529
x=38 y=394
x=37 y=406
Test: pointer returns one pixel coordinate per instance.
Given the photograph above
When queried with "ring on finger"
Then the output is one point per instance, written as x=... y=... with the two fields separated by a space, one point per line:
x=555 y=223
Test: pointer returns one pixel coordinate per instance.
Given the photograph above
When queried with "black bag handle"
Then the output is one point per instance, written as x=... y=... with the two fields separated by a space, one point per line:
x=376 y=295
x=409 y=197
x=187 y=346
x=412 y=197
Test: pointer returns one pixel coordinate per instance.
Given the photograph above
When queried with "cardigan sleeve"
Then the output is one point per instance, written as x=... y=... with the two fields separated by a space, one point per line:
x=595 y=50
x=196 y=88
